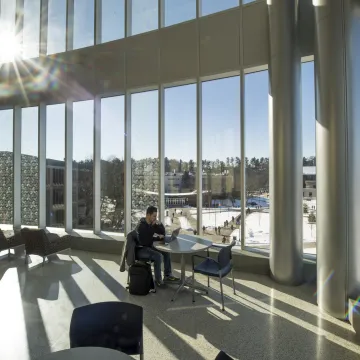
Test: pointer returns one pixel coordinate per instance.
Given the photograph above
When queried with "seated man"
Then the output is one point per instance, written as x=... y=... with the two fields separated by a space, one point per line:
x=150 y=230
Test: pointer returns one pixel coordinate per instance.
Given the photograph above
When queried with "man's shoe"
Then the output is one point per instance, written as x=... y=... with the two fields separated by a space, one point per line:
x=171 y=279
x=159 y=283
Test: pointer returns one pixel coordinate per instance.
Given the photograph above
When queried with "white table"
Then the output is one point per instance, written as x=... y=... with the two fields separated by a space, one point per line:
x=88 y=353
x=185 y=244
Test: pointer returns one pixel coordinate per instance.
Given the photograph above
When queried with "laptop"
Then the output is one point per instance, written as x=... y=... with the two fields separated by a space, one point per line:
x=169 y=238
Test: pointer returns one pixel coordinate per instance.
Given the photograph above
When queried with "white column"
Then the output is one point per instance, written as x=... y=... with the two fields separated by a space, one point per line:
x=68 y=165
x=285 y=129
x=161 y=9
x=199 y=182
x=44 y=15
x=97 y=164
x=69 y=25
x=127 y=143
x=161 y=129
x=98 y=22
x=19 y=22
x=242 y=134
x=337 y=79
x=42 y=165
x=17 y=167
x=128 y=15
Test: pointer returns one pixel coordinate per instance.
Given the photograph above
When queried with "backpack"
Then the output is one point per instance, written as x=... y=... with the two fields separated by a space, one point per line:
x=141 y=280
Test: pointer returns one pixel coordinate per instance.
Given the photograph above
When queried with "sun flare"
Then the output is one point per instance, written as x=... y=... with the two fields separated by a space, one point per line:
x=10 y=47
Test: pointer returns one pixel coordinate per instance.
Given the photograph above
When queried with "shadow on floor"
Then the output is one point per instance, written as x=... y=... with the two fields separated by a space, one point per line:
x=264 y=320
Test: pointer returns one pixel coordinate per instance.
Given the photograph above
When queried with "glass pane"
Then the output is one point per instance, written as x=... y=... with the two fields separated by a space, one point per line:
x=144 y=154
x=144 y=16
x=221 y=159
x=55 y=165
x=112 y=20
x=309 y=158
x=257 y=231
x=7 y=15
x=177 y=11
x=84 y=13
x=213 y=6
x=112 y=164
x=248 y=1
x=83 y=139
x=180 y=158
x=56 y=41
x=29 y=167
x=31 y=35
x=6 y=167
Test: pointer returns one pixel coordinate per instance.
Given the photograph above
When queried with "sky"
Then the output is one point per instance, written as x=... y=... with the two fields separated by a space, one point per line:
x=220 y=105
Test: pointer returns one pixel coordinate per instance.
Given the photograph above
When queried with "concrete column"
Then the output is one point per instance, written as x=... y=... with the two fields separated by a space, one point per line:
x=337 y=75
x=286 y=218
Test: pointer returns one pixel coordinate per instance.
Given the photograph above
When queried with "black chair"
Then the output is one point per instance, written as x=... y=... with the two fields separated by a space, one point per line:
x=113 y=325
x=132 y=236
x=223 y=356
x=215 y=268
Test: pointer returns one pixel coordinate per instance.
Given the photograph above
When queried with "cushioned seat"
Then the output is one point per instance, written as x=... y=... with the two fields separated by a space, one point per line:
x=10 y=240
x=38 y=242
x=211 y=268
x=215 y=268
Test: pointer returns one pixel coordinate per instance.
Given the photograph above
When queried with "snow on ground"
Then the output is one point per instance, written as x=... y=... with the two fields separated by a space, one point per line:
x=258 y=228
x=168 y=221
x=184 y=223
x=217 y=218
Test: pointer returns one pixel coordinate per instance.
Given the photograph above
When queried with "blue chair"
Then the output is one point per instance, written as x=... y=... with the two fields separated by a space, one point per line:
x=215 y=268
x=113 y=325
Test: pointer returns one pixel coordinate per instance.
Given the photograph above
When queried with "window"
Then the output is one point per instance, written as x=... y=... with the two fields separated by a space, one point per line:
x=112 y=164
x=213 y=6
x=257 y=231
x=55 y=164
x=112 y=20
x=144 y=154
x=56 y=41
x=221 y=159
x=309 y=158
x=31 y=36
x=177 y=11
x=83 y=139
x=6 y=167
x=29 y=167
x=84 y=13
x=180 y=158
x=144 y=16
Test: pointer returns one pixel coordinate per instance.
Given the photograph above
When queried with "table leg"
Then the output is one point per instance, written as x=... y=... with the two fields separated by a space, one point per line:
x=185 y=281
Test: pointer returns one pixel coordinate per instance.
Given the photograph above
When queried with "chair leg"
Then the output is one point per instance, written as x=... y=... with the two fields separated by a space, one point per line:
x=128 y=279
x=141 y=356
x=232 y=274
x=26 y=259
x=43 y=263
x=222 y=295
x=193 y=288
x=208 y=281
x=9 y=253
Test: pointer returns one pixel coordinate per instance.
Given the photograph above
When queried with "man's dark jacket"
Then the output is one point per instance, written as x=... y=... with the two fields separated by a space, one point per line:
x=145 y=232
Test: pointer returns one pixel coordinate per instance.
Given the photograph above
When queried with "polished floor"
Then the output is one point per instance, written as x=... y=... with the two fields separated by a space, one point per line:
x=263 y=321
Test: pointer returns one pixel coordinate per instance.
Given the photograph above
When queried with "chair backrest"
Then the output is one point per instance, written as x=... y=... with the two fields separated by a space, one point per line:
x=223 y=356
x=3 y=241
x=114 y=325
x=224 y=256
x=34 y=239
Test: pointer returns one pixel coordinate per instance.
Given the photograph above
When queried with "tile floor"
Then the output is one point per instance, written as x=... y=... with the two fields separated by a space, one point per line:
x=263 y=321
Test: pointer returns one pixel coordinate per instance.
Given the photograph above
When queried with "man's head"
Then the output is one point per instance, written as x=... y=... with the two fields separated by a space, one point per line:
x=151 y=214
